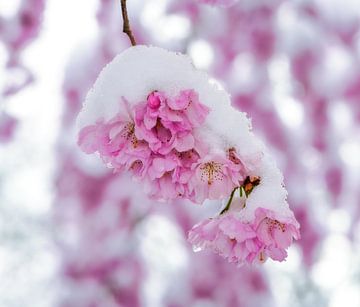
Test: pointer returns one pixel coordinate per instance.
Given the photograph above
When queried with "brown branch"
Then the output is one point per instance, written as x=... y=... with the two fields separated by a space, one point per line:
x=126 y=23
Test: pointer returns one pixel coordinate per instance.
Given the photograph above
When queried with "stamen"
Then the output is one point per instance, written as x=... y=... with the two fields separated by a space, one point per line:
x=128 y=132
x=136 y=165
x=274 y=224
x=186 y=154
x=261 y=257
x=232 y=156
x=211 y=171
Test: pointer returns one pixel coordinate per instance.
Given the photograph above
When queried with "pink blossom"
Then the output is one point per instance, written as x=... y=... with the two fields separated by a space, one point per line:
x=165 y=188
x=166 y=123
x=193 y=112
x=116 y=143
x=94 y=137
x=227 y=236
x=168 y=176
x=215 y=177
x=241 y=241
x=154 y=139
x=275 y=232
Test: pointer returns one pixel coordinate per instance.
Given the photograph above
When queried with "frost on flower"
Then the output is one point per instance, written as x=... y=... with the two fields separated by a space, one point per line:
x=151 y=113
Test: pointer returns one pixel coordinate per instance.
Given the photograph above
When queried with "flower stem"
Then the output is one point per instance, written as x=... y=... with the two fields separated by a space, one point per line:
x=227 y=207
x=247 y=187
x=126 y=23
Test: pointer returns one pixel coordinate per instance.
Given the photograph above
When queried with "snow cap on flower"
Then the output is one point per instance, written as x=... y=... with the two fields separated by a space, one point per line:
x=176 y=132
x=164 y=111
x=141 y=70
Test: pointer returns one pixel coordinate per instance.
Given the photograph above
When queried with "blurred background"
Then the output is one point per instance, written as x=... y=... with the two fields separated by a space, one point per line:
x=72 y=234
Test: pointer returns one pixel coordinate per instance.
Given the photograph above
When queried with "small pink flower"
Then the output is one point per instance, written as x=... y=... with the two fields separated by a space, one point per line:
x=227 y=236
x=167 y=123
x=116 y=143
x=159 y=166
x=166 y=188
x=168 y=176
x=215 y=177
x=95 y=138
x=154 y=140
x=192 y=111
x=275 y=232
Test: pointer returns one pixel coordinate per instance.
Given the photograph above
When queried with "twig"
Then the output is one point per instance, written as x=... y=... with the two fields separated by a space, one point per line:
x=126 y=23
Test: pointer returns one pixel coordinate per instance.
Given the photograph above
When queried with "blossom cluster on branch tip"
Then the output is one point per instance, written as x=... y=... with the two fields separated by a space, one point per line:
x=240 y=242
x=176 y=132
x=157 y=142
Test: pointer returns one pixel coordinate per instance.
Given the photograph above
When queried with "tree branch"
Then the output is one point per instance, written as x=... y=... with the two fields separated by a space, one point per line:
x=126 y=23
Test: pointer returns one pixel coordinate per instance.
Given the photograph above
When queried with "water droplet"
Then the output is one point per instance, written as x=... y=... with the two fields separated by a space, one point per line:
x=196 y=248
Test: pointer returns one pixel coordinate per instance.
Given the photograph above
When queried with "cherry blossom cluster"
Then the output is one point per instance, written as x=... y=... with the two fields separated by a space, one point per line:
x=179 y=136
x=112 y=278
x=254 y=225
x=156 y=142
x=309 y=154
x=269 y=235
x=164 y=137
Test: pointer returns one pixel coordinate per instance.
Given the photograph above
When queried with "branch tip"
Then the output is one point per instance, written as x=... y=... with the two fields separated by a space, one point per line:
x=126 y=23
